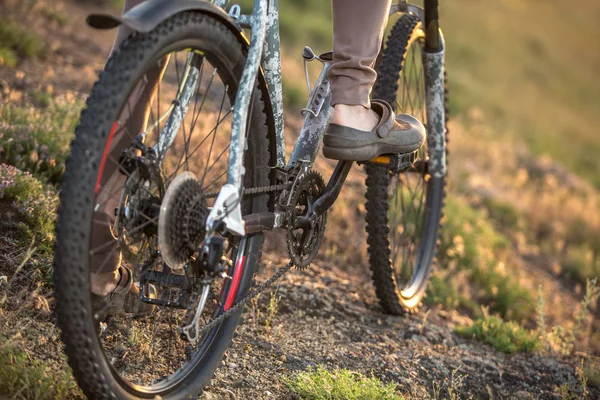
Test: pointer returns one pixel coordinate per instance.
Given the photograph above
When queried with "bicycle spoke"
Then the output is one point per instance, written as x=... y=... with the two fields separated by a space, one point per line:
x=212 y=143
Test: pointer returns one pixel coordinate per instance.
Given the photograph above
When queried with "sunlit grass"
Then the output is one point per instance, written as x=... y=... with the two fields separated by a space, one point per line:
x=25 y=377
x=340 y=384
x=507 y=337
x=37 y=140
x=19 y=41
x=473 y=252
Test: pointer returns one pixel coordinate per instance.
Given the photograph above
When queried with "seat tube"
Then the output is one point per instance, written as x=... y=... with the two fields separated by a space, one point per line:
x=272 y=70
x=244 y=95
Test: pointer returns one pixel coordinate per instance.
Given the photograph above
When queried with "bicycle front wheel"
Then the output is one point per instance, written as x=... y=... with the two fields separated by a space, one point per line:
x=403 y=210
x=162 y=107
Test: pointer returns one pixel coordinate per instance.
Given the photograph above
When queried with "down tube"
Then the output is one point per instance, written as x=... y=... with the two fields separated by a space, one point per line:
x=244 y=95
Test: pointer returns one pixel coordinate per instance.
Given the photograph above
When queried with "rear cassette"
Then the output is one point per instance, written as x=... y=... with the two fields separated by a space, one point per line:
x=181 y=221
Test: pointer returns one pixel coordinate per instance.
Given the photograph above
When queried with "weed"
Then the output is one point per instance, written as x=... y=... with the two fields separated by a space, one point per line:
x=578 y=264
x=591 y=295
x=579 y=370
x=26 y=378
x=563 y=392
x=504 y=213
x=591 y=371
x=451 y=387
x=35 y=204
x=321 y=384
x=469 y=243
x=27 y=257
x=21 y=40
x=8 y=57
x=37 y=141
x=507 y=337
x=424 y=322
x=541 y=314
x=558 y=339
x=272 y=310
x=53 y=14
x=255 y=308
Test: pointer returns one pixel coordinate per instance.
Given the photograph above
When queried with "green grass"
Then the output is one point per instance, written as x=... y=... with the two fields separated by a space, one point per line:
x=467 y=236
x=8 y=57
x=507 y=337
x=339 y=384
x=20 y=40
x=35 y=204
x=504 y=214
x=470 y=246
x=53 y=14
x=24 y=377
x=579 y=265
x=37 y=140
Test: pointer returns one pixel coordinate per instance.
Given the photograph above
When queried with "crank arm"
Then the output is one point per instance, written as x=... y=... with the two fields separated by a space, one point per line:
x=329 y=195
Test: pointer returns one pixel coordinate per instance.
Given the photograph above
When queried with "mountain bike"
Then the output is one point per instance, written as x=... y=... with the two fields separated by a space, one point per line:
x=179 y=156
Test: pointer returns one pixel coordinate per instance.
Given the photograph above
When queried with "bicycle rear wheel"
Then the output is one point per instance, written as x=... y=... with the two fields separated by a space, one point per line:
x=403 y=210
x=108 y=208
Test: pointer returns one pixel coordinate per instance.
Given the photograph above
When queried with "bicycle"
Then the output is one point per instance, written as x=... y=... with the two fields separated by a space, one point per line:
x=193 y=230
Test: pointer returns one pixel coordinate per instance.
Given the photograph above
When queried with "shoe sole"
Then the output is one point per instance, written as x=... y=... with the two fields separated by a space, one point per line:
x=367 y=152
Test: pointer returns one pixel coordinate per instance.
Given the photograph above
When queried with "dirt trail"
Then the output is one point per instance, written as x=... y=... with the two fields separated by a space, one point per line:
x=326 y=315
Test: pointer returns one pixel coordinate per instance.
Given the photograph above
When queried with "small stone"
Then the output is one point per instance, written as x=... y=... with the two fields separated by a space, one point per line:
x=3 y=280
x=283 y=358
x=233 y=366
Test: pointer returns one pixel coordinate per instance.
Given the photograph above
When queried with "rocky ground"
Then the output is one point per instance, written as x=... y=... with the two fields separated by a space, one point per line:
x=329 y=316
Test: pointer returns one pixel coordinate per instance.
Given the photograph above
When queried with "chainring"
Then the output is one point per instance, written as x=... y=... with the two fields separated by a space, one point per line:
x=303 y=243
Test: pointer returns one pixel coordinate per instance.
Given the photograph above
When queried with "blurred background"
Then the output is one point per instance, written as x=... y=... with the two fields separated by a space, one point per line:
x=521 y=233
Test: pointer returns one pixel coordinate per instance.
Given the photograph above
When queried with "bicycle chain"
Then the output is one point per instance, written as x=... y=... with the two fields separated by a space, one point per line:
x=254 y=190
x=252 y=293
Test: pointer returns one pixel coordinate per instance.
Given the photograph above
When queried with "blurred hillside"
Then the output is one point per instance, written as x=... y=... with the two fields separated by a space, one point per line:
x=521 y=236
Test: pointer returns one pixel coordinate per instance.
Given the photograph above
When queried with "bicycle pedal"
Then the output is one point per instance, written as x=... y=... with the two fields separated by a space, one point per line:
x=396 y=163
x=162 y=281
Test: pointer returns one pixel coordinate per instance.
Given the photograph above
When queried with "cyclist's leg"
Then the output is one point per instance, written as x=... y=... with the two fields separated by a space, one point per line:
x=359 y=132
x=358 y=28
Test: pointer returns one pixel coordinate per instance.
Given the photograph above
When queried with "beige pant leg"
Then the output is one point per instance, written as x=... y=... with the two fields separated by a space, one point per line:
x=358 y=27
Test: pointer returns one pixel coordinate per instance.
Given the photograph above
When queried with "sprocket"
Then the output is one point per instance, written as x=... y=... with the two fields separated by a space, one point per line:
x=181 y=220
x=303 y=243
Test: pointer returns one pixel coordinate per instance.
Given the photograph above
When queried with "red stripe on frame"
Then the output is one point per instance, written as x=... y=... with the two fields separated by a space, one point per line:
x=237 y=275
x=105 y=156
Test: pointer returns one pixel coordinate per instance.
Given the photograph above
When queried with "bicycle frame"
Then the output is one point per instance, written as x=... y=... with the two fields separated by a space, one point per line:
x=265 y=46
